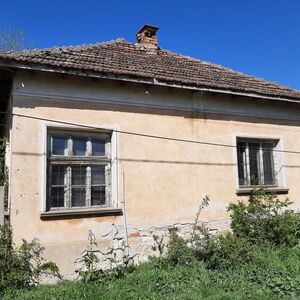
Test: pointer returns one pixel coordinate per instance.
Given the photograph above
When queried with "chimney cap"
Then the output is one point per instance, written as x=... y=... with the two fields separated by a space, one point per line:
x=151 y=28
x=146 y=36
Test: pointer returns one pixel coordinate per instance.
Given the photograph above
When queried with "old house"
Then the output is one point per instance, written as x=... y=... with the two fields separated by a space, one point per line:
x=133 y=135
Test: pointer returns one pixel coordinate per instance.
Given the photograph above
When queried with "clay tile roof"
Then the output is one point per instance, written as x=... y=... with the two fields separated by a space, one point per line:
x=121 y=58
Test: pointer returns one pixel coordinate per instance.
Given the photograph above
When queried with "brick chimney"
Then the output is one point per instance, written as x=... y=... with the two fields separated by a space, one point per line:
x=146 y=36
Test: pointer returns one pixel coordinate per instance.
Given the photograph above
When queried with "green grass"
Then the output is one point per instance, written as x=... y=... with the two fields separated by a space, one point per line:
x=273 y=275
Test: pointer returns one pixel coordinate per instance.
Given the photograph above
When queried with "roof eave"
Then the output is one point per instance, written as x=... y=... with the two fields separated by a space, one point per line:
x=137 y=79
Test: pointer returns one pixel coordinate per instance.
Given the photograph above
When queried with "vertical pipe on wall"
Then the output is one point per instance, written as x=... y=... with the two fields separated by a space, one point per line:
x=1 y=205
x=124 y=211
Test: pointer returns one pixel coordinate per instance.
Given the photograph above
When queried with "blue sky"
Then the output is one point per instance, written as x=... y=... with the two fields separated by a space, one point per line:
x=256 y=37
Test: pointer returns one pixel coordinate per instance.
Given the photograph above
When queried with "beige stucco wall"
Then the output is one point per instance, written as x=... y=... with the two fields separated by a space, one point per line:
x=165 y=180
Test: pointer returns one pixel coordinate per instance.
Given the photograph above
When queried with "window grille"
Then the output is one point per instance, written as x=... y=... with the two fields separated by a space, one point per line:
x=256 y=162
x=79 y=170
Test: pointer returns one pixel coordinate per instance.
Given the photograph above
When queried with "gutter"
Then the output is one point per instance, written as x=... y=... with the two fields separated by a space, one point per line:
x=143 y=80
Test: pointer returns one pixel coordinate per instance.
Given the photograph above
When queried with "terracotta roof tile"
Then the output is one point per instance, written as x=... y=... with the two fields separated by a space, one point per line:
x=123 y=58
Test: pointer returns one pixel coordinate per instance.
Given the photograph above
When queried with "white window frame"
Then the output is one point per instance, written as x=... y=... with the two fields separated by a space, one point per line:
x=50 y=126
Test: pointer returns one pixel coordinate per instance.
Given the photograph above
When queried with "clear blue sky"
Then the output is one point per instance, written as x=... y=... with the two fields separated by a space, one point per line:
x=256 y=37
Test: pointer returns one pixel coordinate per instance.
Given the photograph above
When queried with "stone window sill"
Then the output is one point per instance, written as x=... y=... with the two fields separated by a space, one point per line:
x=80 y=213
x=249 y=190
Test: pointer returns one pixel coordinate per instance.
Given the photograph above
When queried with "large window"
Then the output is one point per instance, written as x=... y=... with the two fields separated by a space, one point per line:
x=78 y=170
x=256 y=162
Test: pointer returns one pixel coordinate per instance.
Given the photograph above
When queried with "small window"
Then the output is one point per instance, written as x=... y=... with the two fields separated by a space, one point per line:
x=78 y=170
x=256 y=162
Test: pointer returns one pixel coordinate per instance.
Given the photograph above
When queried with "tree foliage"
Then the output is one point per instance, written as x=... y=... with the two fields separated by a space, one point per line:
x=12 y=40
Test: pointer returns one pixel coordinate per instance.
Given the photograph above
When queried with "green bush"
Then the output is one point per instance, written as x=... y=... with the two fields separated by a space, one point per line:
x=265 y=219
x=23 y=266
x=224 y=251
x=178 y=252
x=261 y=224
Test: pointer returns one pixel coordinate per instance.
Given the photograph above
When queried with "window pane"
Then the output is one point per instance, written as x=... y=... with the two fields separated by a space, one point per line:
x=78 y=175
x=98 y=195
x=98 y=147
x=58 y=175
x=79 y=146
x=78 y=196
x=98 y=175
x=269 y=175
x=254 y=163
x=57 y=197
x=59 y=144
x=242 y=167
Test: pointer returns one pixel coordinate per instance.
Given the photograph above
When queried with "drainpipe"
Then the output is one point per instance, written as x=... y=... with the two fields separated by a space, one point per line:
x=1 y=205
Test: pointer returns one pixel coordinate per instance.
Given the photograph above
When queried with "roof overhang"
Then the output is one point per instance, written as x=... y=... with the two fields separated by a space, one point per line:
x=136 y=79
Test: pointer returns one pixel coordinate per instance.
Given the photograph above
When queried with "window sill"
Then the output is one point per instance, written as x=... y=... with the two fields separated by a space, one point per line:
x=249 y=190
x=80 y=213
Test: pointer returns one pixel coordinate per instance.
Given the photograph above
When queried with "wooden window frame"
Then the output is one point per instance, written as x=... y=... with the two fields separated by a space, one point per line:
x=246 y=159
x=88 y=160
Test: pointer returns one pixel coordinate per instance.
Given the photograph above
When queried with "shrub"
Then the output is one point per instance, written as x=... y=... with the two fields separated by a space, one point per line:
x=262 y=223
x=224 y=251
x=23 y=266
x=265 y=219
x=178 y=252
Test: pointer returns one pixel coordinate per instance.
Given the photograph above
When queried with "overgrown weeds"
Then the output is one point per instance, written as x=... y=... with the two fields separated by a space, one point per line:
x=23 y=266
x=98 y=266
x=261 y=250
x=258 y=259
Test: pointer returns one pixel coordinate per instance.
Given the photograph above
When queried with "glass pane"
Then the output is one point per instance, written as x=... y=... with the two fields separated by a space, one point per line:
x=269 y=175
x=59 y=144
x=57 y=197
x=98 y=195
x=78 y=175
x=78 y=196
x=58 y=175
x=79 y=146
x=98 y=175
x=98 y=147
x=242 y=167
x=254 y=163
